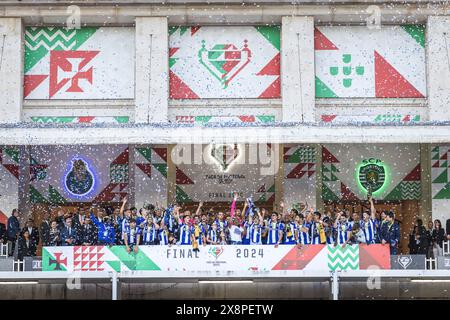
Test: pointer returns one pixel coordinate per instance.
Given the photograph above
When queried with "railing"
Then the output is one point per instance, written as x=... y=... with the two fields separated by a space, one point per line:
x=3 y=249
x=334 y=278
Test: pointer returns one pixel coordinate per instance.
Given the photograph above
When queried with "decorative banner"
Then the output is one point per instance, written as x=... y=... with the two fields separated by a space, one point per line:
x=218 y=174
x=224 y=62
x=358 y=62
x=408 y=262
x=341 y=173
x=443 y=263
x=224 y=119
x=9 y=181
x=101 y=176
x=86 y=119
x=234 y=258
x=383 y=118
x=299 y=175
x=86 y=63
x=440 y=182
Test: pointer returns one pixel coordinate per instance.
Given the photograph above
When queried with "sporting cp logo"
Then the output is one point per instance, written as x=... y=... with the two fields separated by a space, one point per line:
x=80 y=180
x=224 y=61
x=372 y=174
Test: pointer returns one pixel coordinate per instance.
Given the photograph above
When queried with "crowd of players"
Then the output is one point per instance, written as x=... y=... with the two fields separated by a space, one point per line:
x=171 y=226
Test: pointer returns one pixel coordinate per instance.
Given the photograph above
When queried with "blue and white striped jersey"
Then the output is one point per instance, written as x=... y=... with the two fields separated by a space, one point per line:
x=255 y=231
x=274 y=228
x=342 y=232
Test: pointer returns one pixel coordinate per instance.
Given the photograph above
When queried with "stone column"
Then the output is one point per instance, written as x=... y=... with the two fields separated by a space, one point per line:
x=297 y=69
x=24 y=184
x=11 y=70
x=131 y=176
x=279 y=177
x=425 y=181
x=171 y=177
x=438 y=67
x=319 y=201
x=152 y=69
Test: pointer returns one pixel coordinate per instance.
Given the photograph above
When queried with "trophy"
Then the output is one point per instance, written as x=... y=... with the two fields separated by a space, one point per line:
x=371 y=182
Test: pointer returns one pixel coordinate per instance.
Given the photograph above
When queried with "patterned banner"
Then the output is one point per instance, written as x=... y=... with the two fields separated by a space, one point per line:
x=224 y=62
x=215 y=258
x=397 y=178
x=361 y=62
x=86 y=63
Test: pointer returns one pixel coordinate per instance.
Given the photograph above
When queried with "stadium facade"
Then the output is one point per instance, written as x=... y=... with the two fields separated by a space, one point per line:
x=170 y=102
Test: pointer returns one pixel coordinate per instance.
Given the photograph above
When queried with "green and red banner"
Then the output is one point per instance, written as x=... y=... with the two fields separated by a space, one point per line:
x=358 y=62
x=216 y=258
x=224 y=62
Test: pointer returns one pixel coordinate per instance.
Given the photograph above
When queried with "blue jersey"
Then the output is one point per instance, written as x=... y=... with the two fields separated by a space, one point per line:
x=303 y=237
x=342 y=232
x=198 y=232
x=274 y=228
x=291 y=229
x=132 y=235
x=185 y=234
x=149 y=234
x=314 y=233
x=125 y=225
x=221 y=225
x=140 y=220
x=163 y=237
x=369 y=228
x=213 y=235
x=246 y=239
x=255 y=233
x=329 y=233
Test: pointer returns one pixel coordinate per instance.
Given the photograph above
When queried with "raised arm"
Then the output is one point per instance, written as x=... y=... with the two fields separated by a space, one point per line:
x=200 y=205
x=372 y=209
x=122 y=208
x=233 y=205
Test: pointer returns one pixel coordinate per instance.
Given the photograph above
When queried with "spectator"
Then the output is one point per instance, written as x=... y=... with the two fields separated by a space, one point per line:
x=60 y=218
x=413 y=242
x=106 y=234
x=45 y=229
x=186 y=231
x=274 y=230
x=149 y=232
x=27 y=247
x=236 y=232
x=132 y=237
x=213 y=235
x=3 y=233
x=69 y=235
x=437 y=238
x=13 y=231
x=390 y=233
x=54 y=238
x=357 y=234
x=33 y=232
x=88 y=233
x=422 y=238
x=447 y=229
x=343 y=229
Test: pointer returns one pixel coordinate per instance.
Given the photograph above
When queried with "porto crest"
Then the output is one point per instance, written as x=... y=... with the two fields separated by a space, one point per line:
x=80 y=180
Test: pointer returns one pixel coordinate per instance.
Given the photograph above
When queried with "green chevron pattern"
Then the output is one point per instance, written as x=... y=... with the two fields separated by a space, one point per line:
x=343 y=258
x=39 y=41
x=406 y=190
